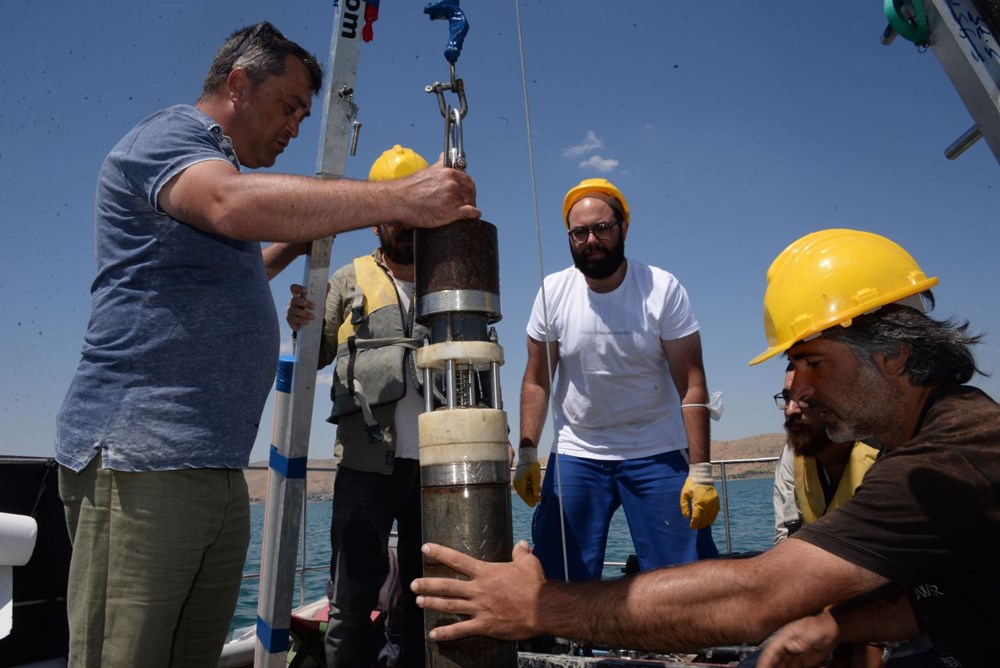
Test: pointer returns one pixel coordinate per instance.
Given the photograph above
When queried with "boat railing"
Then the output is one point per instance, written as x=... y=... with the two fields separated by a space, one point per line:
x=724 y=479
x=723 y=465
x=303 y=569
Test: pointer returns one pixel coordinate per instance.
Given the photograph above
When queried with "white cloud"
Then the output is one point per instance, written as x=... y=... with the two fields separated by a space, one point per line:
x=286 y=347
x=599 y=164
x=589 y=143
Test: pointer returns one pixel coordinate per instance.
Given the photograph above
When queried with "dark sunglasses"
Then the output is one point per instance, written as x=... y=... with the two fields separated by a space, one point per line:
x=254 y=34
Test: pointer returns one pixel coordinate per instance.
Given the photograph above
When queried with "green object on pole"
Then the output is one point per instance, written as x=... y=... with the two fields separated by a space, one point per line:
x=913 y=28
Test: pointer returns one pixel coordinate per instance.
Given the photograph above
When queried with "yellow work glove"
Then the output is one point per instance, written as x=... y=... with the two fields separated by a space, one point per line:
x=528 y=476
x=699 y=500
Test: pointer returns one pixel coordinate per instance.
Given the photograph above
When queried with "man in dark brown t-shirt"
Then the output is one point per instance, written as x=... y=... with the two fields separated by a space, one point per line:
x=913 y=552
x=927 y=518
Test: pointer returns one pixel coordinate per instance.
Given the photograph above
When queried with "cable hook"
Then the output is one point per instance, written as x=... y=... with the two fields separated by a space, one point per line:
x=454 y=152
x=458 y=27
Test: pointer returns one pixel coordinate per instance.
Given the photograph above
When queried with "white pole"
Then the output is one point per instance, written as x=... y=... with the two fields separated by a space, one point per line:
x=287 y=476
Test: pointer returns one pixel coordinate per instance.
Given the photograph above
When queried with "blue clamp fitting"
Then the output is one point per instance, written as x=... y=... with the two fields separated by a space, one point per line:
x=458 y=25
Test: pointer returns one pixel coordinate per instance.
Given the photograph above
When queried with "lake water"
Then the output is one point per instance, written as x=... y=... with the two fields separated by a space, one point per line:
x=751 y=528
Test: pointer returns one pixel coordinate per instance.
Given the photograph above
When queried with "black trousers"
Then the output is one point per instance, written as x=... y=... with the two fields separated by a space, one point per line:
x=364 y=508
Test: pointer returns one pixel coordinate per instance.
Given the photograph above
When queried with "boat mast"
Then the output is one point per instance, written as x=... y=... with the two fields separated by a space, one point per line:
x=289 y=457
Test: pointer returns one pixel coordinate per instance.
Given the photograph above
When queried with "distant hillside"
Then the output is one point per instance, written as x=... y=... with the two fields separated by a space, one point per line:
x=751 y=447
x=319 y=484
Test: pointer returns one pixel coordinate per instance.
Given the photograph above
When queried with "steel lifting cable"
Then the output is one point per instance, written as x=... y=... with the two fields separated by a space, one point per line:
x=541 y=274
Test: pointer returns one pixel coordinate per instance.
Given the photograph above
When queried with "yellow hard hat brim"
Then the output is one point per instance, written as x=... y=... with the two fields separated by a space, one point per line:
x=830 y=277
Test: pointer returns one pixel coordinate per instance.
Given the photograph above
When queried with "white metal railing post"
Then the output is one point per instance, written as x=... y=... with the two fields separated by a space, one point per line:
x=725 y=502
x=724 y=477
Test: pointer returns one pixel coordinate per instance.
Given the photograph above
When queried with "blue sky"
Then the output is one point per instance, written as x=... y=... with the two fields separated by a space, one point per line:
x=732 y=128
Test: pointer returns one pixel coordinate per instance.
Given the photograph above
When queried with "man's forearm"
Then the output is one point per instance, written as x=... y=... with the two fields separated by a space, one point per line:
x=213 y=197
x=697 y=425
x=697 y=436
x=676 y=609
x=534 y=405
x=882 y=615
x=712 y=602
x=697 y=605
x=279 y=255
x=308 y=208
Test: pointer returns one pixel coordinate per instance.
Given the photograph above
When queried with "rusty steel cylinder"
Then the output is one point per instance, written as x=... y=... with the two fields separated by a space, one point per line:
x=457 y=270
x=464 y=468
x=465 y=497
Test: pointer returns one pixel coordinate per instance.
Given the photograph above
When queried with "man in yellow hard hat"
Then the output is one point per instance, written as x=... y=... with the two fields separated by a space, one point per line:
x=377 y=395
x=913 y=551
x=630 y=402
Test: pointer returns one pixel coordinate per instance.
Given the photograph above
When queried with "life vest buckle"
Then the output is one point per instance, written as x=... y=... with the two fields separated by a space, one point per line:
x=374 y=433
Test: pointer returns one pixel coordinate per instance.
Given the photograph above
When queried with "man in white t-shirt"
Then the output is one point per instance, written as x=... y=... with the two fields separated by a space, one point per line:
x=630 y=403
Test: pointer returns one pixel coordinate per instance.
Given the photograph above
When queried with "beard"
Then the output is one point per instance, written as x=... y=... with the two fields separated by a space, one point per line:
x=398 y=247
x=599 y=268
x=866 y=411
x=805 y=439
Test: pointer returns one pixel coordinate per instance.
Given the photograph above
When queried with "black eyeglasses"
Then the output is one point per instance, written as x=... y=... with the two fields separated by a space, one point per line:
x=601 y=231
x=782 y=398
x=248 y=40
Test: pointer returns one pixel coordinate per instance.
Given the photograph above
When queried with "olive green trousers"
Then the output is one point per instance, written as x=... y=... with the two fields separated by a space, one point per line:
x=157 y=564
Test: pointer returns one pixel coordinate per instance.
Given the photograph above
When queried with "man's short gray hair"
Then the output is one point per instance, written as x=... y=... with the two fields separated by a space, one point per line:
x=261 y=50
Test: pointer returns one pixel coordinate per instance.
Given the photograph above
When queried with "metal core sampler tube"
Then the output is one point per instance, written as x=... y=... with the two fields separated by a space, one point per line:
x=464 y=468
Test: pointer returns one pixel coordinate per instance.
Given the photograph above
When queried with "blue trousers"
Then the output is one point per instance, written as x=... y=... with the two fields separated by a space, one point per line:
x=648 y=488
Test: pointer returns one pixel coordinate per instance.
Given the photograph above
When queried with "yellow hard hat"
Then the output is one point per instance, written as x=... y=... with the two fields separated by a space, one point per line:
x=828 y=278
x=591 y=187
x=396 y=163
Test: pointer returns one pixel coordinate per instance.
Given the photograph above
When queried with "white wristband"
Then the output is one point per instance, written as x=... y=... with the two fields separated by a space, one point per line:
x=701 y=474
x=527 y=455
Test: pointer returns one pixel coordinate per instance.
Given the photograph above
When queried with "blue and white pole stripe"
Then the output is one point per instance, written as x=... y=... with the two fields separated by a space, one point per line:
x=285 y=495
x=289 y=454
